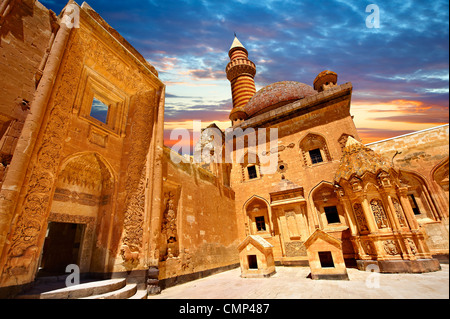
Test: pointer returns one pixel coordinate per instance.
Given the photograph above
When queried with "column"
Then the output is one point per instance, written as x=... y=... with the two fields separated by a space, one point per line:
x=351 y=217
x=369 y=216
x=391 y=212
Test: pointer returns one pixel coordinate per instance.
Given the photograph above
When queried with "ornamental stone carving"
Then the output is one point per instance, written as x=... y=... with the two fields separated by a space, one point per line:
x=378 y=213
x=390 y=247
x=412 y=246
x=399 y=213
x=360 y=218
x=383 y=179
x=295 y=249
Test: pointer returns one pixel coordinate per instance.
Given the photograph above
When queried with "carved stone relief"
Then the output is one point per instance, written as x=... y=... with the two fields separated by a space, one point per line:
x=411 y=245
x=390 y=247
x=399 y=212
x=140 y=135
x=169 y=225
x=295 y=249
x=360 y=218
x=379 y=214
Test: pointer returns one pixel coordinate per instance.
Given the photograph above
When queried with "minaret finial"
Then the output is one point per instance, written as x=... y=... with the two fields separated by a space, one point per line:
x=235 y=34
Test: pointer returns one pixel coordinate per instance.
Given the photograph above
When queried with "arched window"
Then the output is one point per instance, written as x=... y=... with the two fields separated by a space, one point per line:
x=314 y=150
x=250 y=167
x=258 y=216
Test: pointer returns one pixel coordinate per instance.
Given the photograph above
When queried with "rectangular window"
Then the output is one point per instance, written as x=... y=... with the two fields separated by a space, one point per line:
x=326 y=259
x=99 y=111
x=260 y=223
x=252 y=172
x=332 y=215
x=252 y=262
x=316 y=156
x=415 y=207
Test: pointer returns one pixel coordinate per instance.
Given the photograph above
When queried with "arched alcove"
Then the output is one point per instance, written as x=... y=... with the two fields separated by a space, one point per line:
x=419 y=195
x=330 y=211
x=441 y=177
x=80 y=217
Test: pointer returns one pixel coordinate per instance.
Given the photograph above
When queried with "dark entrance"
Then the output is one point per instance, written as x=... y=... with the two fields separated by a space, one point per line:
x=61 y=248
x=326 y=259
x=252 y=262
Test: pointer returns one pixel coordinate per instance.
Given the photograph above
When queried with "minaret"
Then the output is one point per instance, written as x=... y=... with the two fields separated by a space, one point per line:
x=240 y=72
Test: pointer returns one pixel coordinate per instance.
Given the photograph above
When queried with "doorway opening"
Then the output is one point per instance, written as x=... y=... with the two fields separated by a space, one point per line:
x=326 y=259
x=252 y=262
x=61 y=248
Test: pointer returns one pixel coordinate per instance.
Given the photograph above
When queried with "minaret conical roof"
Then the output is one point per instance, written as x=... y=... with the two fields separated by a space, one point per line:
x=236 y=44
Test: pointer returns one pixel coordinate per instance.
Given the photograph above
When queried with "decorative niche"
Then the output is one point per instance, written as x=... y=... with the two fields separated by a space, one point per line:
x=101 y=103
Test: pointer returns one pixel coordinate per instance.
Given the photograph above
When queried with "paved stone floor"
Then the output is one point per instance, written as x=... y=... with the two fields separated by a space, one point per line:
x=291 y=283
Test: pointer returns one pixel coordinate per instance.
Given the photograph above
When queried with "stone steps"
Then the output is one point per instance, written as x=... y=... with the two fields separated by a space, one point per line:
x=105 y=289
x=123 y=293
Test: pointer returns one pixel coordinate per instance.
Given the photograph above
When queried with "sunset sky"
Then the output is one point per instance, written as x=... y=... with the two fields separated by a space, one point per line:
x=399 y=72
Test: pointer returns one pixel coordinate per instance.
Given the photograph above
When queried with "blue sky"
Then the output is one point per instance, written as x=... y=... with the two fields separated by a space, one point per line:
x=400 y=71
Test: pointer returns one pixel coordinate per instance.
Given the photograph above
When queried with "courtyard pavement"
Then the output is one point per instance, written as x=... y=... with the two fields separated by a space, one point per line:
x=292 y=283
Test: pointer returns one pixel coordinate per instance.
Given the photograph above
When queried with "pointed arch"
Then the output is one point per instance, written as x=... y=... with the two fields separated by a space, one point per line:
x=258 y=216
x=329 y=210
x=253 y=198
x=419 y=195
x=84 y=197
x=440 y=179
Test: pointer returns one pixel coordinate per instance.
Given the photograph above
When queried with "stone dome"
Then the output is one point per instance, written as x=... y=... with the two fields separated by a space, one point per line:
x=357 y=159
x=277 y=94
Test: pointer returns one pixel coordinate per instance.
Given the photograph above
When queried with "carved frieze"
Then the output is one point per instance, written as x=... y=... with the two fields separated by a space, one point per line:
x=136 y=181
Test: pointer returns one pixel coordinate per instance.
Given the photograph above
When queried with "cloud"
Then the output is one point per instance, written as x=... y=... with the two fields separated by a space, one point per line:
x=406 y=59
x=369 y=135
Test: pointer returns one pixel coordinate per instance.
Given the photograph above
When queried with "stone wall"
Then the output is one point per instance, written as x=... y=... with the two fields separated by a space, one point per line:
x=198 y=228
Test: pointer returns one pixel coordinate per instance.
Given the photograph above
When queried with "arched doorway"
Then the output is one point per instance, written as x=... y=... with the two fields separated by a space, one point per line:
x=80 y=219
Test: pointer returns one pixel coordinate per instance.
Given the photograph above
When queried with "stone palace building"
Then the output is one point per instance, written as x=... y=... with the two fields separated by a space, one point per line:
x=85 y=177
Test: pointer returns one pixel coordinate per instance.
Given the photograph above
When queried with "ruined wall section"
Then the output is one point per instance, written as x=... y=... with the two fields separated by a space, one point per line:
x=198 y=224
x=26 y=29
x=419 y=151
